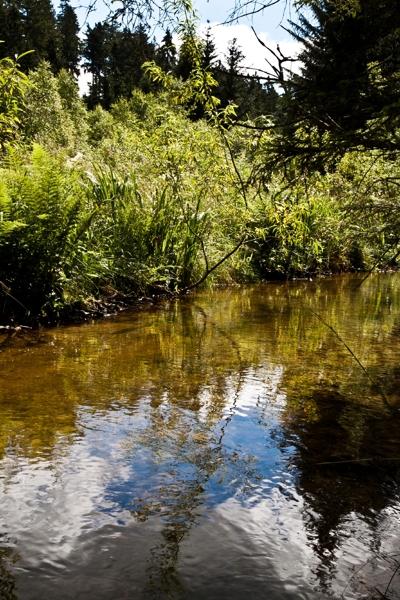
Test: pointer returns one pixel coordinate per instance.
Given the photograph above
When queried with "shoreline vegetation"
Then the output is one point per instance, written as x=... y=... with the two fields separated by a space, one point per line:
x=101 y=208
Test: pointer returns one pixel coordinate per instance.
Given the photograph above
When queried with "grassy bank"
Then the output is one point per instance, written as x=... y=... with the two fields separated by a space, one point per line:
x=102 y=207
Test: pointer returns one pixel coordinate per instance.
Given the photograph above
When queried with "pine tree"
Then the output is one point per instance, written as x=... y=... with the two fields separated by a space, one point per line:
x=184 y=64
x=70 y=45
x=166 y=53
x=347 y=93
x=232 y=86
x=29 y=25
x=11 y=29
x=258 y=99
x=210 y=53
x=96 y=52
x=40 y=33
x=143 y=50
x=129 y=51
x=115 y=60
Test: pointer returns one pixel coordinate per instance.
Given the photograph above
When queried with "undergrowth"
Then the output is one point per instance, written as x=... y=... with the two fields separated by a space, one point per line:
x=141 y=200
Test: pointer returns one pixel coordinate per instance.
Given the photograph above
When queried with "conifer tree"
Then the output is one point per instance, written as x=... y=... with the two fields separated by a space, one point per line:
x=11 y=30
x=29 y=25
x=96 y=53
x=346 y=95
x=129 y=51
x=40 y=33
x=210 y=54
x=70 y=45
x=184 y=63
x=115 y=60
x=351 y=61
x=258 y=99
x=232 y=86
x=166 y=53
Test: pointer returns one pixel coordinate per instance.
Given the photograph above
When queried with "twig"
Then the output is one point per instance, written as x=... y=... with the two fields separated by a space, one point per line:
x=376 y=264
x=374 y=383
x=235 y=167
x=390 y=581
x=352 y=577
x=395 y=257
x=7 y=291
x=208 y=271
x=201 y=243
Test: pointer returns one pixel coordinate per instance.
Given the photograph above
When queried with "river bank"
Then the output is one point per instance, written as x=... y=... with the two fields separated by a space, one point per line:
x=98 y=208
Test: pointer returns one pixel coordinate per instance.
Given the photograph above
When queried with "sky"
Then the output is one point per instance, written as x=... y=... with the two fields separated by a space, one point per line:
x=268 y=24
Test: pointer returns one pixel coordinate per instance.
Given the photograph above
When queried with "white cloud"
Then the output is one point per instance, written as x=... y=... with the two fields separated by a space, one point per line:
x=256 y=55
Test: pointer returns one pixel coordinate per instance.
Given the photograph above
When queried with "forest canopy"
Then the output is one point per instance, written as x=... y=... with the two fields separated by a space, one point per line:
x=345 y=94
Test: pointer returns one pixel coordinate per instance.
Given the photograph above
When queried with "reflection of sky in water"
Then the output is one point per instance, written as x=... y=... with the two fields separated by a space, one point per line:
x=228 y=458
x=108 y=476
x=147 y=469
x=245 y=515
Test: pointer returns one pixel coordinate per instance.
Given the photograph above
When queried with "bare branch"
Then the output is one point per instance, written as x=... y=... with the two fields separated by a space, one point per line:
x=209 y=271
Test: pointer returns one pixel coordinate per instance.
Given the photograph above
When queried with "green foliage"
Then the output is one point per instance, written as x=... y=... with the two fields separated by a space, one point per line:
x=166 y=52
x=13 y=87
x=346 y=96
x=69 y=42
x=301 y=228
x=114 y=57
x=144 y=204
x=141 y=199
x=174 y=238
x=27 y=25
x=7 y=225
x=43 y=252
x=203 y=83
x=54 y=114
x=368 y=185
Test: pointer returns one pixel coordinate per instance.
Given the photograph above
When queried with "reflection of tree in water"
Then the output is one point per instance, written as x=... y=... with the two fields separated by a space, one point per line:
x=7 y=579
x=182 y=434
x=338 y=495
x=190 y=450
x=185 y=435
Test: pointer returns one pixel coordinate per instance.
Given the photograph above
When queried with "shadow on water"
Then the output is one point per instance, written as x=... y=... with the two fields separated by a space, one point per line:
x=7 y=578
x=359 y=482
x=347 y=457
x=195 y=433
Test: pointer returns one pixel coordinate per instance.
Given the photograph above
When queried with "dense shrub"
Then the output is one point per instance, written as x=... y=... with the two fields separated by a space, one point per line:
x=142 y=198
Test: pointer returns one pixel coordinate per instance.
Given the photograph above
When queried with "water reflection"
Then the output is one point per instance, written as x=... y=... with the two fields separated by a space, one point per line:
x=175 y=451
x=340 y=494
x=189 y=461
x=7 y=578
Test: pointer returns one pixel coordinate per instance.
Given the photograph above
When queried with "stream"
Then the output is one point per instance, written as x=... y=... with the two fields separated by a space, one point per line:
x=223 y=445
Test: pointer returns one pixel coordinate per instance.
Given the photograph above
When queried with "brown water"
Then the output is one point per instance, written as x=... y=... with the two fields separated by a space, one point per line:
x=174 y=451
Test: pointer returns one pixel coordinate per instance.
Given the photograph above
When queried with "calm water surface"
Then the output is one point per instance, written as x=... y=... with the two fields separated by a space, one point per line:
x=175 y=451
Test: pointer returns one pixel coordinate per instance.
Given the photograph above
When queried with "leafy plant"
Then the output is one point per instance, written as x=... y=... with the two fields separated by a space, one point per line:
x=47 y=222
x=13 y=87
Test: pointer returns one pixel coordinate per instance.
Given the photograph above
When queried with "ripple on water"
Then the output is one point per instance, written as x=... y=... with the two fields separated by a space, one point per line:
x=177 y=453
